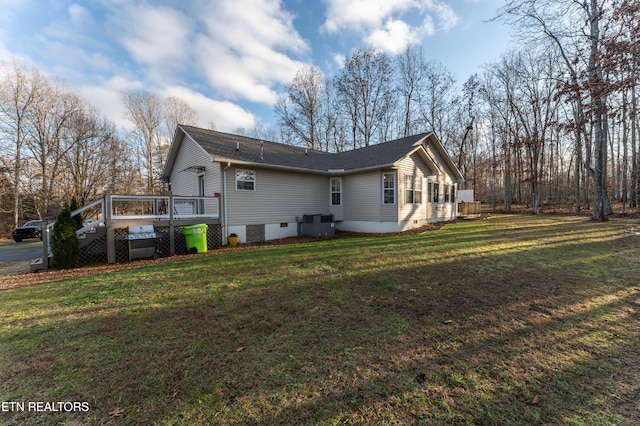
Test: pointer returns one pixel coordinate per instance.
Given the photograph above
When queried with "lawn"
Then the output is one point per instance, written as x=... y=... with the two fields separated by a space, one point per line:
x=508 y=320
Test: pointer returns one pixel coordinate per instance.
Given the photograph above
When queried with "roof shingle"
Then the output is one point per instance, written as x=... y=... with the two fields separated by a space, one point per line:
x=225 y=146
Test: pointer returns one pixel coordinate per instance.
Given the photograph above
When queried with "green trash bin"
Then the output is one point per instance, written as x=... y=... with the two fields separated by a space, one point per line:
x=196 y=237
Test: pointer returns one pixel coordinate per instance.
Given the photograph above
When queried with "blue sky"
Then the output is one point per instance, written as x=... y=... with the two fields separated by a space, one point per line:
x=229 y=59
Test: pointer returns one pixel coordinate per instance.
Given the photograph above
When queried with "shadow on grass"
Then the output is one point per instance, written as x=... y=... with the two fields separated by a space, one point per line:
x=542 y=335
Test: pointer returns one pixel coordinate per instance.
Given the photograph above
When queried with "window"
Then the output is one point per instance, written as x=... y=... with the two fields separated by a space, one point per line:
x=453 y=194
x=413 y=189
x=446 y=193
x=245 y=180
x=388 y=188
x=436 y=193
x=336 y=191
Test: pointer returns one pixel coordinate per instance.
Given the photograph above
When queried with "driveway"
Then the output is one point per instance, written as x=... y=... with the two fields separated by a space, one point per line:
x=13 y=252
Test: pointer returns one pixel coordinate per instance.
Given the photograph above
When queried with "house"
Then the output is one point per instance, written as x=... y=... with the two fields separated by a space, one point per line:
x=265 y=187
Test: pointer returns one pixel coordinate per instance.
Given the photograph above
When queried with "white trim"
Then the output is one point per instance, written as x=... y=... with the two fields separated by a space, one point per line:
x=275 y=231
x=331 y=191
x=395 y=188
x=272 y=231
x=253 y=172
x=379 y=227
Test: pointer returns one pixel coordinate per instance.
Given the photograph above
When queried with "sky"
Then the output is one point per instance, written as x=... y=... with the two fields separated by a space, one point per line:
x=231 y=59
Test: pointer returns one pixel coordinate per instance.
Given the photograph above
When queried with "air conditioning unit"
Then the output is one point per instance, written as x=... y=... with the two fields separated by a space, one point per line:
x=316 y=225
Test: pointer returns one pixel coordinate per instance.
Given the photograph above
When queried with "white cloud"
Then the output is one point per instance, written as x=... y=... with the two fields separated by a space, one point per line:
x=227 y=116
x=79 y=15
x=447 y=17
x=245 y=50
x=106 y=97
x=153 y=36
x=428 y=27
x=5 y=54
x=387 y=24
x=339 y=59
x=235 y=50
x=342 y=14
x=392 y=37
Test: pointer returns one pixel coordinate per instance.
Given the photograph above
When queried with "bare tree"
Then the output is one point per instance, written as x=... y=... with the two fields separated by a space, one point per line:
x=467 y=115
x=535 y=109
x=436 y=98
x=178 y=111
x=18 y=92
x=558 y=20
x=334 y=130
x=364 y=89
x=622 y=61
x=88 y=171
x=146 y=112
x=302 y=105
x=494 y=92
x=47 y=136
x=412 y=73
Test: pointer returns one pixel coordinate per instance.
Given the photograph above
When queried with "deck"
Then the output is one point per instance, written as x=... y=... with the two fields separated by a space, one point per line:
x=103 y=236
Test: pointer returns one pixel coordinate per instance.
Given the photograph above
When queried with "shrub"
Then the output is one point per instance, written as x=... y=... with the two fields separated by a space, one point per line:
x=64 y=242
x=78 y=218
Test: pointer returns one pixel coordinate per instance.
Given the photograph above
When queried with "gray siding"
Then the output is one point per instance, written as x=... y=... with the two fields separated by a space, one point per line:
x=186 y=182
x=362 y=197
x=279 y=197
x=389 y=212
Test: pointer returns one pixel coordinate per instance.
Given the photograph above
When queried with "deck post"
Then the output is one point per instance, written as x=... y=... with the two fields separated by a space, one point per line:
x=172 y=228
x=111 y=233
x=45 y=246
x=111 y=245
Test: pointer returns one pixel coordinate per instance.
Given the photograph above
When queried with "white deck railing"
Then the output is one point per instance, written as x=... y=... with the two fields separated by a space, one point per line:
x=158 y=207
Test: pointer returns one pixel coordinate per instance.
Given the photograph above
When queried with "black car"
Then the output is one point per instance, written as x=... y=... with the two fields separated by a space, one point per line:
x=31 y=229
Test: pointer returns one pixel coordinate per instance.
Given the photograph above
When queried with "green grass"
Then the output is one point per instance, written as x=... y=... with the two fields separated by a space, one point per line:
x=511 y=320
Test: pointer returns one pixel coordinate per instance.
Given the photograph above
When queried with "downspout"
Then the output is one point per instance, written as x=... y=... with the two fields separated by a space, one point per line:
x=225 y=226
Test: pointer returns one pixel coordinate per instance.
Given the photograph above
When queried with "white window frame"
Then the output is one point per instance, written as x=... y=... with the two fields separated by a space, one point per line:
x=332 y=192
x=392 y=189
x=413 y=187
x=435 y=189
x=239 y=173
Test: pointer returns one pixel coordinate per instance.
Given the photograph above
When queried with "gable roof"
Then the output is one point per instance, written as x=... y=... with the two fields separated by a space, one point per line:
x=225 y=147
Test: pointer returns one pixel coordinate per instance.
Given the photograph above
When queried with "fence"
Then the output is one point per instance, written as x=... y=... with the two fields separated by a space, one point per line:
x=469 y=208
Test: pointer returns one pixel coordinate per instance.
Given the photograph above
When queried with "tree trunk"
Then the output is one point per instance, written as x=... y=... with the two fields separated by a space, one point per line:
x=634 y=156
x=598 y=104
